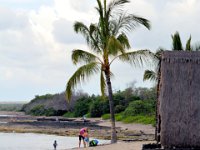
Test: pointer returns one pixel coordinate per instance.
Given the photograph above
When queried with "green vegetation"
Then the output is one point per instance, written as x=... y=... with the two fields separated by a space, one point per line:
x=11 y=106
x=138 y=111
x=131 y=105
x=40 y=110
x=69 y=115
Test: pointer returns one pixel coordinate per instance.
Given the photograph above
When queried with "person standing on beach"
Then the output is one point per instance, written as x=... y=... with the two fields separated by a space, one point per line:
x=81 y=136
x=55 y=144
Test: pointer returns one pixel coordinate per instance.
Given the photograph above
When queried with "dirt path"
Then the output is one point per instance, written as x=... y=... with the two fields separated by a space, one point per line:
x=147 y=129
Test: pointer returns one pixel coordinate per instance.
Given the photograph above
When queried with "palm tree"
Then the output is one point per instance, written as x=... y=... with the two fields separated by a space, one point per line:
x=108 y=41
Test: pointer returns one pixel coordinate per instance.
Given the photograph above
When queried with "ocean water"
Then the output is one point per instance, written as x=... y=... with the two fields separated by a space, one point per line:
x=32 y=141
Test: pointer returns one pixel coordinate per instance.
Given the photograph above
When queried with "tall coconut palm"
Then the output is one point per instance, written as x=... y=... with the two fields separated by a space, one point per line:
x=108 y=42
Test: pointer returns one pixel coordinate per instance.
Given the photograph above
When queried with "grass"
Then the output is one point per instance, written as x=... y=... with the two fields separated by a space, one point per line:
x=69 y=115
x=143 y=119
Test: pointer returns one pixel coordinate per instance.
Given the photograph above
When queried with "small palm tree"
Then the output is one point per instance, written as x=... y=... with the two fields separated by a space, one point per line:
x=108 y=41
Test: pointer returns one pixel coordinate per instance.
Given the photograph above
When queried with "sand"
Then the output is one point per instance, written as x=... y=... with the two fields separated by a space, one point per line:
x=118 y=146
x=21 y=124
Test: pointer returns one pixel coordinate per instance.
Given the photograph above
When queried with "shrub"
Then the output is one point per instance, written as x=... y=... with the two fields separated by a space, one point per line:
x=96 y=109
x=140 y=107
x=105 y=116
x=119 y=108
x=99 y=107
x=81 y=107
x=38 y=110
x=119 y=117
x=69 y=115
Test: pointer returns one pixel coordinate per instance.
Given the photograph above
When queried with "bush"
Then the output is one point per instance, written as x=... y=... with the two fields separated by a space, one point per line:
x=119 y=108
x=69 y=115
x=140 y=107
x=105 y=116
x=50 y=112
x=99 y=107
x=38 y=110
x=119 y=117
x=81 y=107
x=96 y=109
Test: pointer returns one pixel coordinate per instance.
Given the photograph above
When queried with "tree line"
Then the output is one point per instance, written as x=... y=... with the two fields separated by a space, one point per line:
x=128 y=104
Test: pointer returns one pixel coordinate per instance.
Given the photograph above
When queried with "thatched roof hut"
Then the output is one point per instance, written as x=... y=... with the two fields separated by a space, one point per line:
x=179 y=99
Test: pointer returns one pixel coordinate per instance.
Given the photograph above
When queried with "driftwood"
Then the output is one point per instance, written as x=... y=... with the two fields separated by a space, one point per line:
x=180 y=99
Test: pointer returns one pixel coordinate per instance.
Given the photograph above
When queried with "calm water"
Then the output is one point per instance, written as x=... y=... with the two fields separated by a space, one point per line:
x=31 y=141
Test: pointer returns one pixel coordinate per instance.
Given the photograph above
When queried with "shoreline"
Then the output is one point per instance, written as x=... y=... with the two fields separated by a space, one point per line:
x=128 y=134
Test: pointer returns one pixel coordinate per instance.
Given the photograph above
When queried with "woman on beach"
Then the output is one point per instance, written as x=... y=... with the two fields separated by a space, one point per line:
x=81 y=136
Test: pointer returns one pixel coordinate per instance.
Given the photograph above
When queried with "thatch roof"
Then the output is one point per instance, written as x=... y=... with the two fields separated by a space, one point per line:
x=179 y=99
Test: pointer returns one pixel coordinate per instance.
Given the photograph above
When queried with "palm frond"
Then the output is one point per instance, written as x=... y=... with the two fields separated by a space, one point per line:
x=124 y=41
x=137 y=58
x=188 y=44
x=90 y=34
x=81 y=56
x=114 y=46
x=176 y=42
x=81 y=74
x=92 y=28
x=79 y=27
x=150 y=75
x=128 y=23
x=100 y=10
x=115 y=4
x=159 y=52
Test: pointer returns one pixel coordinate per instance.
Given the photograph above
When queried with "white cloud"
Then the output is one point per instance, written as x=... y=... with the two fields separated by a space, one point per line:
x=36 y=39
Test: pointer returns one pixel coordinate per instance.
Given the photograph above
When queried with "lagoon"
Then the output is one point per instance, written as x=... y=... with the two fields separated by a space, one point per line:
x=32 y=141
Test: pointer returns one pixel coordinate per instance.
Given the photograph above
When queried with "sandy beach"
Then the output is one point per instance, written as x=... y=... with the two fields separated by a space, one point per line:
x=131 y=136
x=137 y=145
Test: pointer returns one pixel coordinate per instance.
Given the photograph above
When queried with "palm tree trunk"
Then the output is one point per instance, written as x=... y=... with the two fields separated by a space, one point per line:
x=112 y=113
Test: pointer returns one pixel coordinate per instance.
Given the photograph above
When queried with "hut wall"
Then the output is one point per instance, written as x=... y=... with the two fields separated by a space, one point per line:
x=179 y=99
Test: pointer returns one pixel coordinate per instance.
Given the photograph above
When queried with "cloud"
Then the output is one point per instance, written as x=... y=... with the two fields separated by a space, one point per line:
x=37 y=38
x=11 y=20
x=25 y=4
x=63 y=32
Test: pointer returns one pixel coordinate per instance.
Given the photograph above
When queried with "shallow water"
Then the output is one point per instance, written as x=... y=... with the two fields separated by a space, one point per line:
x=31 y=141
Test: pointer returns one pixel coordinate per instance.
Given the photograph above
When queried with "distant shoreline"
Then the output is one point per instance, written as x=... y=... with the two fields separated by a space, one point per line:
x=97 y=128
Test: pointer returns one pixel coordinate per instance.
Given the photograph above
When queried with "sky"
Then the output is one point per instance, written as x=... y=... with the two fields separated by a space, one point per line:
x=37 y=38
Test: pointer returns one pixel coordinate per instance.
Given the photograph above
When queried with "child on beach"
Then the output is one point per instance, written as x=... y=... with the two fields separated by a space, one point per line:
x=86 y=138
x=55 y=144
